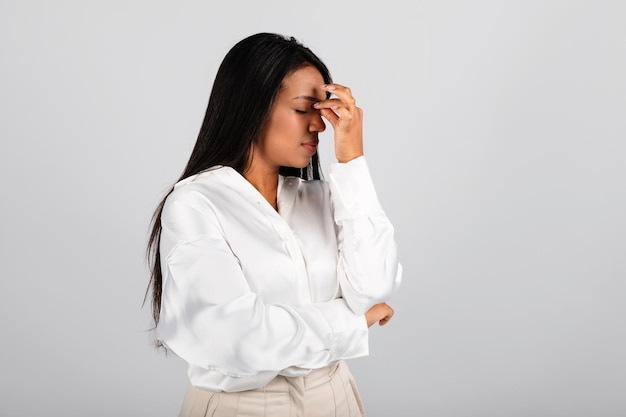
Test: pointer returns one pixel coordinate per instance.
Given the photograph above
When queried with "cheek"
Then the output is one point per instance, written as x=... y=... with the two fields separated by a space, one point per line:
x=291 y=127
x=300 y=123
x=288 y=125
x=297 y=126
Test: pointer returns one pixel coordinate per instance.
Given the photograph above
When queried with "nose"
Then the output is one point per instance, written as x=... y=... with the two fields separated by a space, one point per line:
x=316 y=124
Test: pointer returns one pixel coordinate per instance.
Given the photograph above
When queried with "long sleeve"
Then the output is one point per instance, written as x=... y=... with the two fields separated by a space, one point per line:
x=368 y=269
x=214 y=320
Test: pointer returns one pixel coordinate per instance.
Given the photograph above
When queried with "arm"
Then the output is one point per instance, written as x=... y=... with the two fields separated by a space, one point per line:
x=368 y=269
x=212 y=319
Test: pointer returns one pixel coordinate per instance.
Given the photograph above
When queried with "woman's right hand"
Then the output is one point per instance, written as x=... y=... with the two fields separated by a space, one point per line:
x=380 y=313
x=346 y=119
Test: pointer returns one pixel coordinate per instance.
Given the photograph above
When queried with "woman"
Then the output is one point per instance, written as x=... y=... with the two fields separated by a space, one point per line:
x=264 y=277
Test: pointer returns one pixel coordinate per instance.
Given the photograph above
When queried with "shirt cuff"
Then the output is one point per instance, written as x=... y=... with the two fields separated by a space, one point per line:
x=352 y=189
x=349 y=330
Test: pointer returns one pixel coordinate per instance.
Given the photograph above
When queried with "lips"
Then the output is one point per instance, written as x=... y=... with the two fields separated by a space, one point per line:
x=310 y=146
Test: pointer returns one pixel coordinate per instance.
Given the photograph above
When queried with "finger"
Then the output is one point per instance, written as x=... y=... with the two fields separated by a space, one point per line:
x=338 y=107
x=342 y=92
x=343 y=113
x=331 y=116
x=384 y=320
x=388 y=317
x=330 y=103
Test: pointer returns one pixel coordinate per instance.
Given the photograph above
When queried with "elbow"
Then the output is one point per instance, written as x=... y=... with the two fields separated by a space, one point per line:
x=362 y=298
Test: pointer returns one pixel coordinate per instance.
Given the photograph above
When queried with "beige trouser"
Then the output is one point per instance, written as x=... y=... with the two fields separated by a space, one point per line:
x=326 y=392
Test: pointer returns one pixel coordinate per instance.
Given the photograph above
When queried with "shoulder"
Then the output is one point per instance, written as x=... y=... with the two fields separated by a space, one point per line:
x=197 y=191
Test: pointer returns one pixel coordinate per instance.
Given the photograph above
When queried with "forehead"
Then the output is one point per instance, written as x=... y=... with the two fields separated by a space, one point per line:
x=305 y=80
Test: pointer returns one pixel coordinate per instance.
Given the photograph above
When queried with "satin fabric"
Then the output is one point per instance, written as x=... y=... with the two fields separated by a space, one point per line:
x=250 y=293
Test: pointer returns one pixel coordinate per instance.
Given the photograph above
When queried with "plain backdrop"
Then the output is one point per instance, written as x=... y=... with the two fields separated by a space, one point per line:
x=496 y=135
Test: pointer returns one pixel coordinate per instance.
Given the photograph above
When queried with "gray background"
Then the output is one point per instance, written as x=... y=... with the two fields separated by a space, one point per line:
x=496 y=134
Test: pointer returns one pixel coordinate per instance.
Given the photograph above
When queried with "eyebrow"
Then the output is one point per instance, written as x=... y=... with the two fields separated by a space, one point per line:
x=310 y=98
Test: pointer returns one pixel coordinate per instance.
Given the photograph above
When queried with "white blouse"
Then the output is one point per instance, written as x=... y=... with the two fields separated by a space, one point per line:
x=250 y=293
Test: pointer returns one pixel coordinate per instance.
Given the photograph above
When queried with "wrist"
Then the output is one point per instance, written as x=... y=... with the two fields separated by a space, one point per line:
x=342 y=159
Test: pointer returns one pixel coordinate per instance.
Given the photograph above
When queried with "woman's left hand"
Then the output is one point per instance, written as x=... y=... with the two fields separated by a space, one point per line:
x=380 y=313
x=347 y=121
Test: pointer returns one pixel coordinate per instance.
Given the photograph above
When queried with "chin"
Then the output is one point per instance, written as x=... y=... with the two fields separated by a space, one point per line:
x=301 y=165
x=293 y=166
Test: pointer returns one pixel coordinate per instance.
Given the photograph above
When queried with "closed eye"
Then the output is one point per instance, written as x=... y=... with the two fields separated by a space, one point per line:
x=301 y=111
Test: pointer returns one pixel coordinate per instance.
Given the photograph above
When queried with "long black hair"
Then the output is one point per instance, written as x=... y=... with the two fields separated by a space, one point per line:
x=245 y=87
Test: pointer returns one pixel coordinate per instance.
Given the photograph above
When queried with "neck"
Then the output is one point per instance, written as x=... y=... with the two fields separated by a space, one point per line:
x=265 y=180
